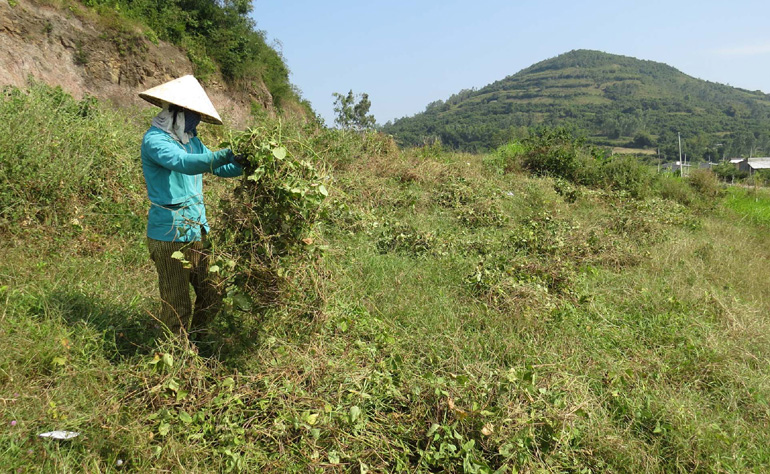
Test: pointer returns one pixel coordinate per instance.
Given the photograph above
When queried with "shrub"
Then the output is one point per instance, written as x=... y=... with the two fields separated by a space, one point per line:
x=676 y=189
x=203 y=66
x=566 y=190
x=508 y=157
x=212 y=32
x=761 y=177
x=553 y=152
x=726 y=171
x=561 y=155
x=626 y=173
x=705 y=183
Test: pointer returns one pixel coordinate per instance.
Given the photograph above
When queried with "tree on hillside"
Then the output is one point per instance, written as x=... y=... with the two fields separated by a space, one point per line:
x=351 y=114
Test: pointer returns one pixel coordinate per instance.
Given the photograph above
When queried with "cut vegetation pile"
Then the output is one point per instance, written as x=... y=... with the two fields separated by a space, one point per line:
x=464 y=314
x=268 y=240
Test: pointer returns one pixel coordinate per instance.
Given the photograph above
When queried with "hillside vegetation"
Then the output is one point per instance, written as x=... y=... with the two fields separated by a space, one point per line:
x=473 y=313
x=216 y=35
x=615 y=100
x=112 y=48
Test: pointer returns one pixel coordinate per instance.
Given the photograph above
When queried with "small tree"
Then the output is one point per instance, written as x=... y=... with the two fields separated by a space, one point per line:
x=353 y=115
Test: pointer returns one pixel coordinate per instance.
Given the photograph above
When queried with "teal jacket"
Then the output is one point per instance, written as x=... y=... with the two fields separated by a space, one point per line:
x=174 y=176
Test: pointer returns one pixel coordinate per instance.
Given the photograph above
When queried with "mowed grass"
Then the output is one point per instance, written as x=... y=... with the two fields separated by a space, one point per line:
x=472 y=321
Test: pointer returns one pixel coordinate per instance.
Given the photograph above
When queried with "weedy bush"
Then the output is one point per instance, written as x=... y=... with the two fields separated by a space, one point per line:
x=66 y=163
x=472 y=206
x=454 y=193
x=507 y=158
x=543 y=235
x=676 y=189
x=431 y=151
x=341 y=216
x=626 y=173
x=520 y=285
x=706 y=184
x=559 y=154
x=267 y=238
x=649 y=221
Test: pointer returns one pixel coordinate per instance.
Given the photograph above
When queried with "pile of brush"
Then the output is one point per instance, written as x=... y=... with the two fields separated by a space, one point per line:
x=267 y=245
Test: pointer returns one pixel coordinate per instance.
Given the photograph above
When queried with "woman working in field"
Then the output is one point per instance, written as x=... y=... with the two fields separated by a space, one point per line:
x=173 y=162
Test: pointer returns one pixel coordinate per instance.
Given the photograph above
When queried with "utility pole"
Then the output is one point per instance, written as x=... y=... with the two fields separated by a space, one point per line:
x=681 y=165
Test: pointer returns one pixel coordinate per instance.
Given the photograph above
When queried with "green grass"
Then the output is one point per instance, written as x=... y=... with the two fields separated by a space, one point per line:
x=752 y=205
x=472 y=321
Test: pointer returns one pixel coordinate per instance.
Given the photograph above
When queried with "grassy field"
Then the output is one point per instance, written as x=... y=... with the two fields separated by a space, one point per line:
x=632 y=151
x=750 y=204
x=473 y=319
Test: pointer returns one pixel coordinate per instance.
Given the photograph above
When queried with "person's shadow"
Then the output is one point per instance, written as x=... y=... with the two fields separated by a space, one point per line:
x=128 y=331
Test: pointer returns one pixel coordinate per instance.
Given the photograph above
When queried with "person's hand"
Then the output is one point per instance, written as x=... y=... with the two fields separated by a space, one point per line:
x=240 y=160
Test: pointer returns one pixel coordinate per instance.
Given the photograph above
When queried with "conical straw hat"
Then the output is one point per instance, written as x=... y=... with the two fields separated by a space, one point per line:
x=184 y=92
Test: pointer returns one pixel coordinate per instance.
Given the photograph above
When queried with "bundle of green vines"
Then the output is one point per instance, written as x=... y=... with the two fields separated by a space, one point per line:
x=266 y=232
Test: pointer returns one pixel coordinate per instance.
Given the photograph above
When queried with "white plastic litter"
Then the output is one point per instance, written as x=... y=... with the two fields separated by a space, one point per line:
x=59 y=434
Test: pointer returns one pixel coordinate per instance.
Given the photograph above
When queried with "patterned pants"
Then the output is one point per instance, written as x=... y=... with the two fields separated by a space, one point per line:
x=174 y=279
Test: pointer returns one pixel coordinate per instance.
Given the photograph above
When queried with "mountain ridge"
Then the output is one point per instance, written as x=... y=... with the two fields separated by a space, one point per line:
x=615 y=100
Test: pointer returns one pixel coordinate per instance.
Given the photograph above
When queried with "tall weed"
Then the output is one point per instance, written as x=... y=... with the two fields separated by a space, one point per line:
x=65 y=162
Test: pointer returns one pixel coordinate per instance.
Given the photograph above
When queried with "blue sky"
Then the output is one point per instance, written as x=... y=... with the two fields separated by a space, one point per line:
x=406 y=54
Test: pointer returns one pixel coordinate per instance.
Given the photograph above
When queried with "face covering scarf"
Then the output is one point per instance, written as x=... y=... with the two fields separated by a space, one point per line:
x=191 y=121
x=176 y=124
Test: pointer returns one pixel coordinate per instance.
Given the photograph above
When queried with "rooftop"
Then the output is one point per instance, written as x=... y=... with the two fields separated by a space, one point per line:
x=759 y=163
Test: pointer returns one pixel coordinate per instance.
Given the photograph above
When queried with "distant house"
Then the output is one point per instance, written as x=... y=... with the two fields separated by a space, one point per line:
x=751 y=165
x=707 y=165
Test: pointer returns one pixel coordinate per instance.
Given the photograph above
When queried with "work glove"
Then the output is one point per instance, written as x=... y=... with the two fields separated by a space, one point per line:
x=240 y=160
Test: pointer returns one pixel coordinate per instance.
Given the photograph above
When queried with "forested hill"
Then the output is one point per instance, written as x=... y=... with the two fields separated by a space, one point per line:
x=614 y=100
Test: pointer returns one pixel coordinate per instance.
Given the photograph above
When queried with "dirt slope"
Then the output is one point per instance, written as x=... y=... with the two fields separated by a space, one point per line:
x=71 y=48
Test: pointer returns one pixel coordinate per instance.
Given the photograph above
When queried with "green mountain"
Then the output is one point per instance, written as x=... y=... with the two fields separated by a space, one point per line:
x=614 y=100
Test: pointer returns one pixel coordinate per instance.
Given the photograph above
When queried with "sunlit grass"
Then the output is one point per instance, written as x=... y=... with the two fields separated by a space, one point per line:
x=596 y=334
x=751 y=205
